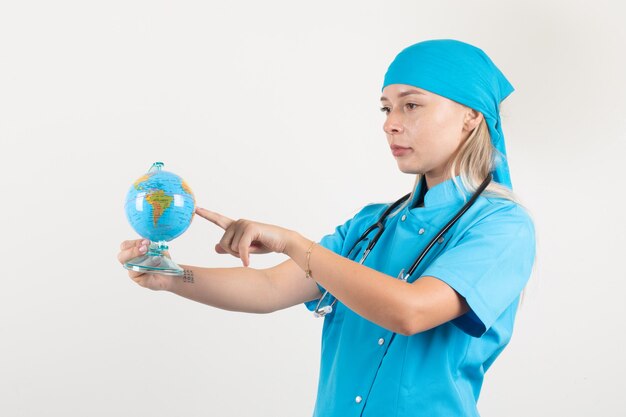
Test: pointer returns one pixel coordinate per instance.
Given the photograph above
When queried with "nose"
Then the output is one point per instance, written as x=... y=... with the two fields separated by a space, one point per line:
x=392 y=125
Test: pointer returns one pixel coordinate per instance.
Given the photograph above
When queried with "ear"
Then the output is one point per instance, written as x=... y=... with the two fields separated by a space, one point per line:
x=472 y=119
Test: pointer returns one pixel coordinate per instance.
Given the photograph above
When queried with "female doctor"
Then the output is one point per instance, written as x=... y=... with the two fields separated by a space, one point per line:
x=418 y=297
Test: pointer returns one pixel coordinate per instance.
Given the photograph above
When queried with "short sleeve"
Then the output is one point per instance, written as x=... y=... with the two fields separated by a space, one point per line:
x=489 y=266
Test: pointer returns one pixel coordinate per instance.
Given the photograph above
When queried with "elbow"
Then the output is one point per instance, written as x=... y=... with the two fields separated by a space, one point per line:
x=418 y=320
x=411 y=321
x=408 y=328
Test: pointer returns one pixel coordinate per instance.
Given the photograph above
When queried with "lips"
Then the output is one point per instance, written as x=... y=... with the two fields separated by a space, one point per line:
x=399 y=150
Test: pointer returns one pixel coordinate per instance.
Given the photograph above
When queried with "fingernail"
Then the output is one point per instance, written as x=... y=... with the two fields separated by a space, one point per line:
x=145 y=242
x=143 y=249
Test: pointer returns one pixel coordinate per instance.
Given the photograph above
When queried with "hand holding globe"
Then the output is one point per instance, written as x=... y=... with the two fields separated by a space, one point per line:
x=160 y=207
x=130 y=249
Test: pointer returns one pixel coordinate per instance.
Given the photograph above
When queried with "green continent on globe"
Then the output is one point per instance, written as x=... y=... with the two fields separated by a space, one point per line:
x=159 y=202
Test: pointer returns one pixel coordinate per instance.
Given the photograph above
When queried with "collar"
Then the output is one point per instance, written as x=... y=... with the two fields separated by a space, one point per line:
x=444 y=193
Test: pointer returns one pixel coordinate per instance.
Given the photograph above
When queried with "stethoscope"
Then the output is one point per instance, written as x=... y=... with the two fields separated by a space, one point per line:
x=322 y=311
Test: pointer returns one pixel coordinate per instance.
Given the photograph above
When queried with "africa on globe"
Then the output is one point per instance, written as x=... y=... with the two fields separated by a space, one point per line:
x=160 y=207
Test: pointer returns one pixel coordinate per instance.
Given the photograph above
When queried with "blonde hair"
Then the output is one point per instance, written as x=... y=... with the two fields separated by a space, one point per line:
x=474 y=159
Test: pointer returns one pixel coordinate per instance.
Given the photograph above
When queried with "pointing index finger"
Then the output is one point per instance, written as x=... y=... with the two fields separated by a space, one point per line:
x=213 y=217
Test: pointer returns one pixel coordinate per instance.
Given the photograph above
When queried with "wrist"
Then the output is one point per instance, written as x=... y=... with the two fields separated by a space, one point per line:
x=168 y=283
x=295 y=244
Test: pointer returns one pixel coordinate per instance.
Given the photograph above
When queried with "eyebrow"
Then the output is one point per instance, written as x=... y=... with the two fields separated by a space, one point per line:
x=404 y=93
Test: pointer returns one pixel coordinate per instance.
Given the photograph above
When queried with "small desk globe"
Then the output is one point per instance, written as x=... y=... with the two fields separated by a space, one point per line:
x=159 y=206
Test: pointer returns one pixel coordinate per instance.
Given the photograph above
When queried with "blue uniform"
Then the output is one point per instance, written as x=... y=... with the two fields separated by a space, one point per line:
x=487 y=257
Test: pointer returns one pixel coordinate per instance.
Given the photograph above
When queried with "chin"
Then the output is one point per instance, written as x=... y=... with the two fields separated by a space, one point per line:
x=408 y=169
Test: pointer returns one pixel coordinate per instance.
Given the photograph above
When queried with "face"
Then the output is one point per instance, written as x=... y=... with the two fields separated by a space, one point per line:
x=424 y=129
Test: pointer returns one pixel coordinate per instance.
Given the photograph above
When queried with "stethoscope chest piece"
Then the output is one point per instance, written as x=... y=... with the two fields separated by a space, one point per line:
x=322 y=311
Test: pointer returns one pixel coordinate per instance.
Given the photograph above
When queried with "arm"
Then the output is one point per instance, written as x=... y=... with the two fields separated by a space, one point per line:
x=396 y=305
x=247 y=289
x=484 y=270
x=240 y=289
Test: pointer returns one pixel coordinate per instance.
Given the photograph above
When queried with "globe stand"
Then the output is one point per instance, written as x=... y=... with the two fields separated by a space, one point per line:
x=155 y=261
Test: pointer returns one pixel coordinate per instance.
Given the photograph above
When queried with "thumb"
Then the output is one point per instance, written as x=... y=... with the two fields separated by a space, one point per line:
x=219 y=249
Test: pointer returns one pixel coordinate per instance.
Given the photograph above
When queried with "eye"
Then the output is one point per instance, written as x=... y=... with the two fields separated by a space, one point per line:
x=412 y=106
x=385 y=109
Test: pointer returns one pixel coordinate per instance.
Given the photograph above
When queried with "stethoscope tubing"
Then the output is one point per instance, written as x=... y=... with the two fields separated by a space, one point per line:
x=380 y=225
x=448 y=225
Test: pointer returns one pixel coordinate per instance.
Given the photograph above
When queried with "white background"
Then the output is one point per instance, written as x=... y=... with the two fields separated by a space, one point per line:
x=269 y=110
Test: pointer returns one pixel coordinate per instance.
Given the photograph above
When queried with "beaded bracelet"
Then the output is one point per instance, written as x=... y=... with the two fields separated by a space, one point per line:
x=308 y=258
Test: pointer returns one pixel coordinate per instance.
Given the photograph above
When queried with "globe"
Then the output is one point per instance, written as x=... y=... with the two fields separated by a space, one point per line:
x=159 y=207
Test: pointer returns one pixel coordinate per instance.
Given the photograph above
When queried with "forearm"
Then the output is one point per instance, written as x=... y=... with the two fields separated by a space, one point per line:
x=376 y=296
x=236 y=289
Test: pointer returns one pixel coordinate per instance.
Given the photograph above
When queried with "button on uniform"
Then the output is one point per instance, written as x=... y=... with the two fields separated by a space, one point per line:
x=403 y=218
x=354 y=363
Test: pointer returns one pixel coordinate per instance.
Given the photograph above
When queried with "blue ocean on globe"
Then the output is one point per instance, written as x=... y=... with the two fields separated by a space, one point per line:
x=160 y=205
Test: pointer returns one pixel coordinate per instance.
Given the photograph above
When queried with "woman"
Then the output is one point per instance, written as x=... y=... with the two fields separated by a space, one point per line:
x=418 y=345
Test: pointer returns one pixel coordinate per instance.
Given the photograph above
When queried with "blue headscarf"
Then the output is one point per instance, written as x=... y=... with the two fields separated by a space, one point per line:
x=460 y=72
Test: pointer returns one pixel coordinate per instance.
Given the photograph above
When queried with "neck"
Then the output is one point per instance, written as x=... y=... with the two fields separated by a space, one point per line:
x=432 y=180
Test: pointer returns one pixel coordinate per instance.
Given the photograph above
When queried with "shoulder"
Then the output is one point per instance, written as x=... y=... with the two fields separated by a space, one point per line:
x=372 y=210
x=506 y=216
x=361 y=219
x=351 y=227
x=368 y=214
x=503 y=207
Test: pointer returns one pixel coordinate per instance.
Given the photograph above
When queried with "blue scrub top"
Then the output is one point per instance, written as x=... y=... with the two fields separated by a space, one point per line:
x=487 y=257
